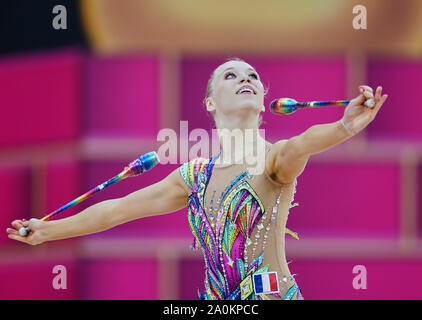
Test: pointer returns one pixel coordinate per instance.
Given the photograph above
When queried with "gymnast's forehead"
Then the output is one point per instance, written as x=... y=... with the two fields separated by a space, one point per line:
x=239 y=65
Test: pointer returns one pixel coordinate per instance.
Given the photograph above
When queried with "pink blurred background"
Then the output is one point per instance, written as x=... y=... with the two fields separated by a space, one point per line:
x=74 y=116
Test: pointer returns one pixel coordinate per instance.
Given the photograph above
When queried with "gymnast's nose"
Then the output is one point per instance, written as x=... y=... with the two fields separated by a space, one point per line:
x=244 y=78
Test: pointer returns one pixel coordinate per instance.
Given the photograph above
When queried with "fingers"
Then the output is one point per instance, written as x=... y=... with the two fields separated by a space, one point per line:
x=379 y=100
x=34 y=224
x=360 y=99
x=17 y=224
x=379 y=103
x=17 y=238
x=12 y=231
x=378 y=94
x=366 y=88
x=367 y=92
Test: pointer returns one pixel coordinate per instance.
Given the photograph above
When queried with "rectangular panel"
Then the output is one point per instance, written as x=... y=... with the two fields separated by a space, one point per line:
x=192 y=276
x=401 y=115
x=40 y=98
x=119 y=279
x=122 y=96
x=303 y=78
x=195 y=73
x=34 y=280
x=419 y=199
x=347 y=199
x=62 y=186
x=15 y=186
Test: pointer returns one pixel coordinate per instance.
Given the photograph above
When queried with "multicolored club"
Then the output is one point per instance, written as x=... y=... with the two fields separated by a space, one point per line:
x=135 y=168
x=288 y=105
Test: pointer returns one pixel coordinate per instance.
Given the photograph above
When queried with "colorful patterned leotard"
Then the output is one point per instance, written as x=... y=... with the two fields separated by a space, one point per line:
x=236 y=230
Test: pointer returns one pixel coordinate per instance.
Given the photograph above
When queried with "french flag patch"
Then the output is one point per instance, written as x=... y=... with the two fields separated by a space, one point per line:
x=266 y=282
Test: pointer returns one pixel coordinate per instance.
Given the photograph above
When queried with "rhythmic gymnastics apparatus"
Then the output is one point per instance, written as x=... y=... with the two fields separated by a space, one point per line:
x=237 y=218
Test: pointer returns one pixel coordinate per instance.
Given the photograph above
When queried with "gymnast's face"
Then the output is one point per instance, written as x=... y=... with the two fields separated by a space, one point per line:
x=235 y=89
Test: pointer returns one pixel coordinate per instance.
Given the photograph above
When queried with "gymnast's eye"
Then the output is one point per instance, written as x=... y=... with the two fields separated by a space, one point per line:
x=228 y=75
x=254 y=75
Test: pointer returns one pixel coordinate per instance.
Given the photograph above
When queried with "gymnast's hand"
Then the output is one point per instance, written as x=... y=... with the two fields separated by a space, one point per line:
x=34 y=237
x=356 y=115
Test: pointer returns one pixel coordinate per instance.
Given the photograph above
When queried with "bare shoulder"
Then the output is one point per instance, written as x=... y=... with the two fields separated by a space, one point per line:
x=275 y=150
x=279 y=145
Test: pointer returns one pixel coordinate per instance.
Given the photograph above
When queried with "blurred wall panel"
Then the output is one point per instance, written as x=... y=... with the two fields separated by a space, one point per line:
x=195 y=72
x=347 y=199
x=40 y=98
x=401 y=115
x=192 y=275
x=63 y=185
x=303 y=78
x=419 y=197
x=33 y=280
x=15 y=186
x=122 y=96
x=119 y=279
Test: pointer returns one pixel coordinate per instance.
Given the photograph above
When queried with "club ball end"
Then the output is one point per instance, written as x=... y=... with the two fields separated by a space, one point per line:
x=23 y=232
x=150 y=160
x=283 y=106
x=273 y=105
x=370 y=103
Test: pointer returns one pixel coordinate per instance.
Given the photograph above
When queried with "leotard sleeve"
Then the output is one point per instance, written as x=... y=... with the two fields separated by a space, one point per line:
x=190 y=170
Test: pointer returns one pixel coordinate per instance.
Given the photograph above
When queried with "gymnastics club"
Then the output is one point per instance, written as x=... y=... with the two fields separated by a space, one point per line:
x=136 y=167
x=288 y=105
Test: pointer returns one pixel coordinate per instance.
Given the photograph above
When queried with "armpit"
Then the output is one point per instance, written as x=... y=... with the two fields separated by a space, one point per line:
x=274 y=180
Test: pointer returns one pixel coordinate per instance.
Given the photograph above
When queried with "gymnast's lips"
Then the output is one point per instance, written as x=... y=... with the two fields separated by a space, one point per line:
x=246 y=86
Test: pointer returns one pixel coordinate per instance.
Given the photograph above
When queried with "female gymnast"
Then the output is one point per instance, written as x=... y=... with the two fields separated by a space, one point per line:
x=237 y=218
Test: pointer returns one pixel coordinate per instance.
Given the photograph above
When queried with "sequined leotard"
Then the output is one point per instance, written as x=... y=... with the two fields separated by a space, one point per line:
x=242 y=232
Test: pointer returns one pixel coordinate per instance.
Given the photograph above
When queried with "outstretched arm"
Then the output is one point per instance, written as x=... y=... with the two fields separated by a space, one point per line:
x=288 y=158
x=163 y=197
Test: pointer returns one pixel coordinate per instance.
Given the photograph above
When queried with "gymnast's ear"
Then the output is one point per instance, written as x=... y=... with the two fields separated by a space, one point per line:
x=209 y=102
